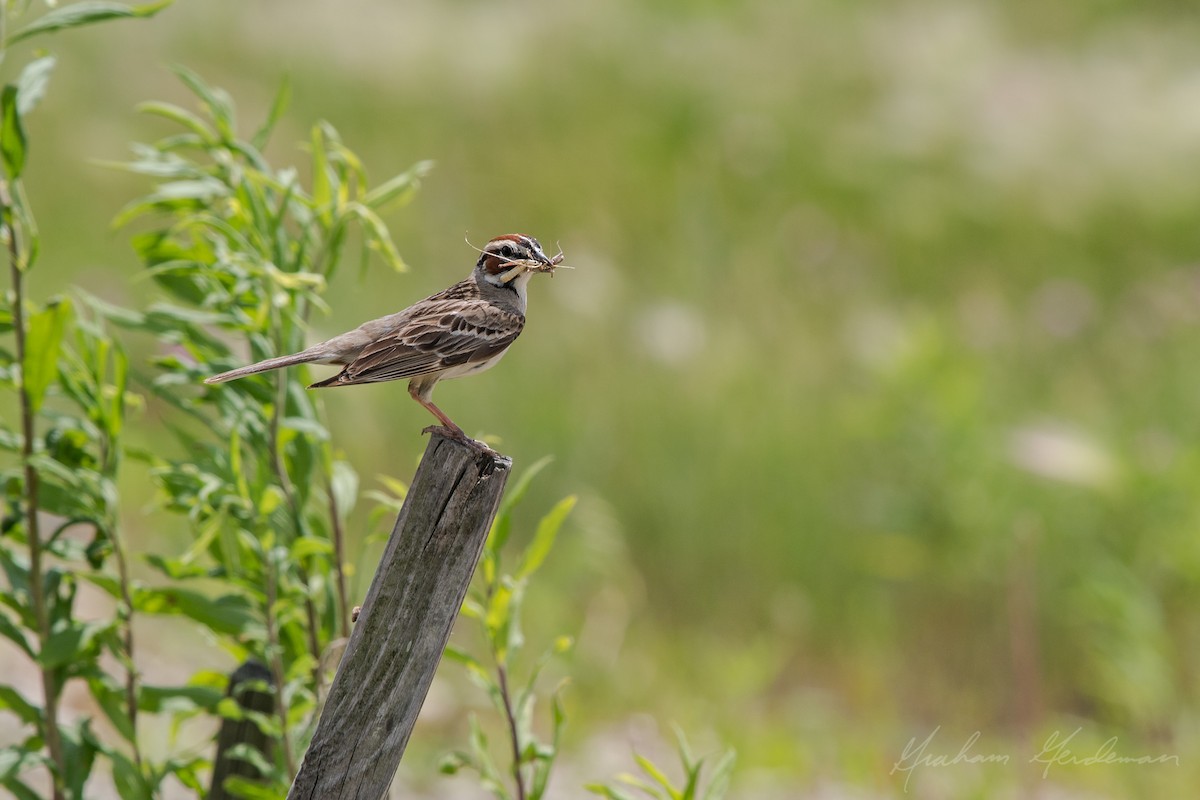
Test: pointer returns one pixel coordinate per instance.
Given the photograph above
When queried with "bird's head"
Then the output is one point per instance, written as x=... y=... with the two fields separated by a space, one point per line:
x=513 y=257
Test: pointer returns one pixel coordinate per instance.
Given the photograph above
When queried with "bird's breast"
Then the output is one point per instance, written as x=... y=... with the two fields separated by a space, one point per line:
x=473 y=367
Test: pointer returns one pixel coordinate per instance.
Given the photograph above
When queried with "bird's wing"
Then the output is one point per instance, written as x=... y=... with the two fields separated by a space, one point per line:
x=439 y=333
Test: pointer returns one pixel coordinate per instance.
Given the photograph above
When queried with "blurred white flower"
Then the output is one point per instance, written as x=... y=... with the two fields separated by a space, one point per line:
x=591 y=288
x=1123 y=114
x=1055 y=451
x=670 y=332
x=877 y=337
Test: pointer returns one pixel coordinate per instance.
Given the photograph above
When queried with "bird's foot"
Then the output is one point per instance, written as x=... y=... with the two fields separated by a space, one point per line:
x=459 y=435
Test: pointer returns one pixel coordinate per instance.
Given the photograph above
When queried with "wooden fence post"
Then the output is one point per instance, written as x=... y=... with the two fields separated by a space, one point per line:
x=244 y=731
x=404 y=624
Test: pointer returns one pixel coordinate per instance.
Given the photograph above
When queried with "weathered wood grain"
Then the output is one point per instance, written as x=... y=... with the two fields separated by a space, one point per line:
x=404 y=624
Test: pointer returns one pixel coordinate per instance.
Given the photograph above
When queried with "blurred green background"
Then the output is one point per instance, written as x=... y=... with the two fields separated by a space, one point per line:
x=877 y=373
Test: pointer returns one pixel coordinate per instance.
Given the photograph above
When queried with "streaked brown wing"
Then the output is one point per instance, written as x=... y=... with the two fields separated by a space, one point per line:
x=442 y=335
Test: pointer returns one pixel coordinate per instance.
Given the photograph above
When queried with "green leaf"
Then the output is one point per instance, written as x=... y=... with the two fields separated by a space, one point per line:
x=160 y=699
x=187 y=770
x=452 y=762
x=645 y=786
x=608 y=791
x=31 y=84
x=10 y=631
x=322 y=188
x=173 y=196
x=282 y=99
x=499 y=621
x=20 y=789
x=396 y=487
x=130 y=783
x=218 y=102
x=16 y=760
x=70 y=643
x=163 y=315
x=651 y=769
x=14 y=701
x=111 y=698
x=80 y=747
x=718 y=783
x=181 y=116
x=46 y=330
x=343 y=482
x=543 y=538
x=399 y=188
x=123 y=317
x=306 y=546
x=376 y=235
x=681 y=744
x=229 y=613
x=296 y=280
x=12 y=133
x=16 y=596
x=9 y=440
x=177 y=569
x=502 y=527
x=85 y=13
x=238 y=786
x=475 y=669
x=311 y=427
x=517 y=493
x=252 y=756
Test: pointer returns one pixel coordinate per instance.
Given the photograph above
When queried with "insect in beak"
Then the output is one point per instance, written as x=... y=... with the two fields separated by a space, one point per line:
x=518 y=268
x=549 y=263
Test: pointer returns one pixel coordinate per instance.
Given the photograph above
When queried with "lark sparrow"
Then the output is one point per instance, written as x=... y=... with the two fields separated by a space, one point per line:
x=460 y=331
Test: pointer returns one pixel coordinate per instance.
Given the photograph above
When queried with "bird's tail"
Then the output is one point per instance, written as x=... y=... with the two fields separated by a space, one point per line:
x=303 y=357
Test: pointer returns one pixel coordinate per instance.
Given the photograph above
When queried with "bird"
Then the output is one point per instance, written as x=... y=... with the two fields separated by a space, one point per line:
x=462 y=330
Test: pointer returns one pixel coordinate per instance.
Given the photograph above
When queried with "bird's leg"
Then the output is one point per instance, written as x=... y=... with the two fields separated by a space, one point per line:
x=447 y=428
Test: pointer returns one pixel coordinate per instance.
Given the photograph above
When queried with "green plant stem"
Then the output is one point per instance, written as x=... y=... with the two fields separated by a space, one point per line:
x=285 y=483
x=277 y=672
x=50 y=686
x=335 y=520
x=514 y=735
x=126 y=615
x=339 y=555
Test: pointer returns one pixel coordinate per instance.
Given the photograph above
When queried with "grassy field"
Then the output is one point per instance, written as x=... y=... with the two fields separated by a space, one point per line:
x=876 y=373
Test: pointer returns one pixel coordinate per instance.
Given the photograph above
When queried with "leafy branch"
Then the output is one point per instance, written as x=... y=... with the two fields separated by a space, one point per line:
x=40 y=366
x=243 y=252
x=494 y=605
x=655 y=783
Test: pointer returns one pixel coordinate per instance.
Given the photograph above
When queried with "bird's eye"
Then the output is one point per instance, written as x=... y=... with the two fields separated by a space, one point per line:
x=507 y=251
